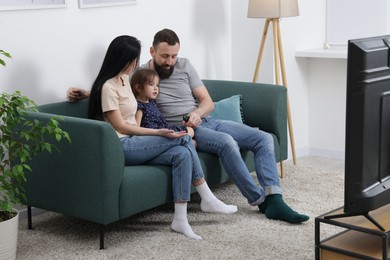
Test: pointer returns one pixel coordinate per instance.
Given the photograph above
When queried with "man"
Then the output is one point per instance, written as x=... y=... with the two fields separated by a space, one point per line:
x=183 y=93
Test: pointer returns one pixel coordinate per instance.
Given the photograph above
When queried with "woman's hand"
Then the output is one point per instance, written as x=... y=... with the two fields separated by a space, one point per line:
x=171 y=133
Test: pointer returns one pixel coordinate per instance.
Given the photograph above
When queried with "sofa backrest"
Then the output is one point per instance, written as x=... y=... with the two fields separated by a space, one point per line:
x=258 y=100
x=220 y=89
x=76 y=109
x=254 y=95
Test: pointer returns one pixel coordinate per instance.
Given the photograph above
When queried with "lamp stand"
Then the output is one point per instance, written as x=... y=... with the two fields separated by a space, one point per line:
x=279 y=67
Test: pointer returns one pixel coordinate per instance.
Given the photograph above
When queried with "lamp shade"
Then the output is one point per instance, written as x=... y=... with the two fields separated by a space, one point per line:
x=272 y=8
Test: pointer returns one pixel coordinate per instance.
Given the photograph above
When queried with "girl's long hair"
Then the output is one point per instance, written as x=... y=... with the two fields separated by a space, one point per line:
x=140 y=79
x=123 y=50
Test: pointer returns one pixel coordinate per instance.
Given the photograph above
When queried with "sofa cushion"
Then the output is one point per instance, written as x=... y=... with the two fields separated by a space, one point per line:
x=229 y=109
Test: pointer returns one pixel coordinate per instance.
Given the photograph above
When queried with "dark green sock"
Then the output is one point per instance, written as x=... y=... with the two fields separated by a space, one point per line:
x=263 y=206
x=275 y=208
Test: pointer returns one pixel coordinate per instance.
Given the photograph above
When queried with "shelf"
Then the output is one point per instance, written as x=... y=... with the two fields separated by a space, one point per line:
x=361 y=239
x=353 y=241
x=332 y=53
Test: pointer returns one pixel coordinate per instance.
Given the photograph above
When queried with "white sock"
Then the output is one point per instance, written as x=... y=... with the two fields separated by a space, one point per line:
x=210 y=203
x=180 y=222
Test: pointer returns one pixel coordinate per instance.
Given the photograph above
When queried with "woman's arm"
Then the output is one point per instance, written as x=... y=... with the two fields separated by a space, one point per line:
x=116 y=120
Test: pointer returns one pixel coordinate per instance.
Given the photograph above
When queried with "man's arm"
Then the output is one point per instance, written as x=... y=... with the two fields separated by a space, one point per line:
x=205 y=106
x=75 y=94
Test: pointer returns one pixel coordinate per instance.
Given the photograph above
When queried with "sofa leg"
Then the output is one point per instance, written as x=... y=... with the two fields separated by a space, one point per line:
x=102 y=229
x=281 y=170
x=29 y=217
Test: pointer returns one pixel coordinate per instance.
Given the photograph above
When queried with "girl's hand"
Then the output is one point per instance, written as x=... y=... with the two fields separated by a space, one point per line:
x=190 y=131
x=171 y=134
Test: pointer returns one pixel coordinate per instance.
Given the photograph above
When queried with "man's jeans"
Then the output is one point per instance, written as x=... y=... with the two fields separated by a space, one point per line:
x=226 y=138
x=176 y=152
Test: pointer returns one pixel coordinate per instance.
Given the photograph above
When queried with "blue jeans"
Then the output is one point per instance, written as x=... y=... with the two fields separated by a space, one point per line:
x=226 y=138
x=179 y=153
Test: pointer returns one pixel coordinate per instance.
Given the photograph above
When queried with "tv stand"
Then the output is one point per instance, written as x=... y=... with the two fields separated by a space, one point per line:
x=360 y=235
x=365 y=214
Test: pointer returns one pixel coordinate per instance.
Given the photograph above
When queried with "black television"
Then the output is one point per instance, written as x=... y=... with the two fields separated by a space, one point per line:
x=367 y=135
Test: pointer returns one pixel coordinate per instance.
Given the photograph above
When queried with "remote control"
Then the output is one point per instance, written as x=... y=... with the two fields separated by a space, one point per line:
x=186 y=118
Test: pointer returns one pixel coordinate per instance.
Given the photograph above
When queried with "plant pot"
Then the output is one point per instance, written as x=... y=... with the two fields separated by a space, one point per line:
x=9 y=237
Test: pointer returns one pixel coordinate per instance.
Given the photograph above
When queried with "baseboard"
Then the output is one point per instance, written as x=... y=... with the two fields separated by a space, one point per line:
x=305 y=151
x=327 y=153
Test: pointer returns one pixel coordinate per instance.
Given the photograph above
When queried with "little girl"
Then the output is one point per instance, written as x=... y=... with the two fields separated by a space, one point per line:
x=145 y=86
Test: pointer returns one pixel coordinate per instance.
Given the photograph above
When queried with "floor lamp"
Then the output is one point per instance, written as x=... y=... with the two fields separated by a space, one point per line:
x=273 y=10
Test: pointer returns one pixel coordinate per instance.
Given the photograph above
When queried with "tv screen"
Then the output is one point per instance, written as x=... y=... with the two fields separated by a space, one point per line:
x=367 y=140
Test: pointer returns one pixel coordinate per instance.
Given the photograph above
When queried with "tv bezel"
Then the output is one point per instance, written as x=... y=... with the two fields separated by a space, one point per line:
x=368 y=91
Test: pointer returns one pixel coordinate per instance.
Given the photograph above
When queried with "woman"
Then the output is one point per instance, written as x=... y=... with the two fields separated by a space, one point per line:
x=112 y=100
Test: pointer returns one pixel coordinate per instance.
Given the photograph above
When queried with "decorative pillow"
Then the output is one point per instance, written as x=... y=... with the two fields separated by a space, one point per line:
x=229 y=109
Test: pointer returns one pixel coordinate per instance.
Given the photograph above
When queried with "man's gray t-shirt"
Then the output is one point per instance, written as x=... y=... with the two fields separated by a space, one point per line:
x=175 y=98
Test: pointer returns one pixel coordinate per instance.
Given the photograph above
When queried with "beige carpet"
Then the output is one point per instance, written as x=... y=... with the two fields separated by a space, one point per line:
x=244 y=235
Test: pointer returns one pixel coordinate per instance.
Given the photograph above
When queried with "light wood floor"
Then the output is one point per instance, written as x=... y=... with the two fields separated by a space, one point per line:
x=323 y=163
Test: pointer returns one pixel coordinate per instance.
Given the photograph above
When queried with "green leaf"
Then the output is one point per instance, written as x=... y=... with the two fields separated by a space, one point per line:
x=5 y=54
x=47 y=147
x=27 y=167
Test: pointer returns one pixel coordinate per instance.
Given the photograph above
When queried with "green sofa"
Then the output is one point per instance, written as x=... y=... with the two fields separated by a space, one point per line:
x=87 y=178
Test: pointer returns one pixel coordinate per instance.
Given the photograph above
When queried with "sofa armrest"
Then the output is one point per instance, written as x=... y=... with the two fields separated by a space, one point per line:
x=82 y=178
x=264 y=106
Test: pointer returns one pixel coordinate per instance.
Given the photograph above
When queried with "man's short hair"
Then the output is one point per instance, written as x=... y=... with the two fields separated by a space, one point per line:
x=165 y=35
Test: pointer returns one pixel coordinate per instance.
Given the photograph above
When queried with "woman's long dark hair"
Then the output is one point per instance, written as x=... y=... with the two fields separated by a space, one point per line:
x=123 y=50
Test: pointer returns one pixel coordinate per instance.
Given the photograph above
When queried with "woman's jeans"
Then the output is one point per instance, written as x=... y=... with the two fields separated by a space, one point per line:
x=226 y=138
x=179 y=153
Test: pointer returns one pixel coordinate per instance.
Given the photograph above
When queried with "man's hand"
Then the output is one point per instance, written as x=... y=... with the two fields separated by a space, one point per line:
x=194 y=120
x=75 y=94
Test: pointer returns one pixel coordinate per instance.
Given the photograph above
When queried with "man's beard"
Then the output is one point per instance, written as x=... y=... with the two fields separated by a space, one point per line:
x=162 y=72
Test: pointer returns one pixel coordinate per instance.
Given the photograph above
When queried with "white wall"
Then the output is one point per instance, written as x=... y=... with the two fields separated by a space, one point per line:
x=326 y=80
x=303 y=32
x=327 y=101
x=54 y=49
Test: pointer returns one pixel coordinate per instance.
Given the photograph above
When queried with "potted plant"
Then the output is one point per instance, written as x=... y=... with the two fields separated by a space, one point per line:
x=20 y=140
